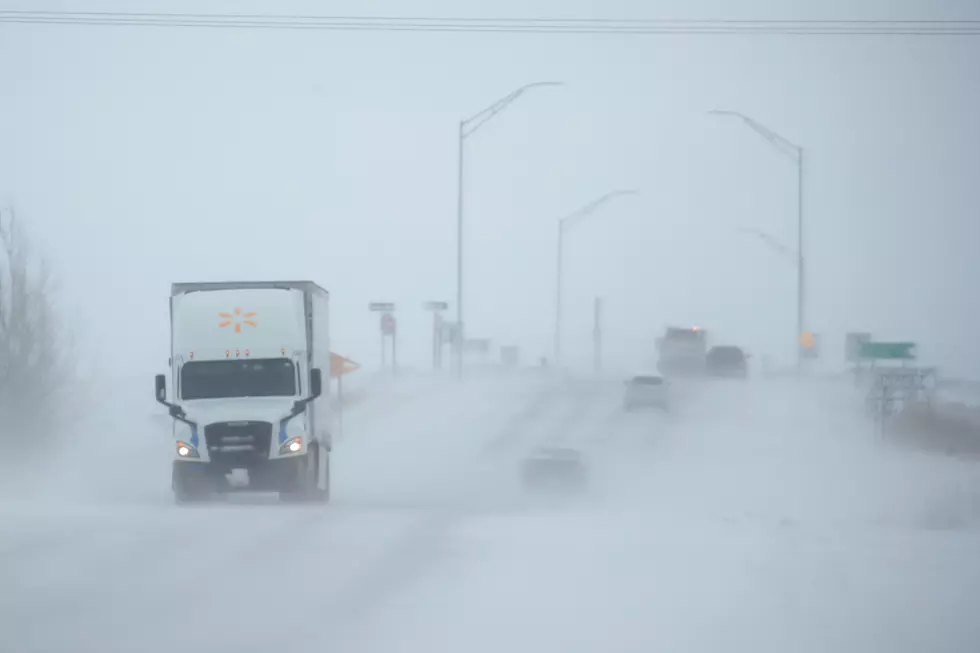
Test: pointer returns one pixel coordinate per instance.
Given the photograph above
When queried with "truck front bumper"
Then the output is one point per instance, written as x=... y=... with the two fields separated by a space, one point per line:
x=271 y=475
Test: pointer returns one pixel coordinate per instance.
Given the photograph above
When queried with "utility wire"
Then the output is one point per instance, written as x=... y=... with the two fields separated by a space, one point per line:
x=637 y=26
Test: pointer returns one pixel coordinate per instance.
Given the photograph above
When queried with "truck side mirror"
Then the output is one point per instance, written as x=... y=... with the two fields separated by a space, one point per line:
x=161 y=388
x=316 y=382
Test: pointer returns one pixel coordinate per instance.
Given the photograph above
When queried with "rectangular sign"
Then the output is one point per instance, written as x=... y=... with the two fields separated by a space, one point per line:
x=887 y=350
x=382 y=307
x=436 y=306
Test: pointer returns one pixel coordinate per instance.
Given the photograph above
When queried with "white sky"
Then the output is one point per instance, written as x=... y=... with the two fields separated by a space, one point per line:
x=140 y=156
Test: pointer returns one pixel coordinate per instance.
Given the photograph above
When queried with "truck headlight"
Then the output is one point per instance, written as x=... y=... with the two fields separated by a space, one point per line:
x=292 y=445
x=186 y=450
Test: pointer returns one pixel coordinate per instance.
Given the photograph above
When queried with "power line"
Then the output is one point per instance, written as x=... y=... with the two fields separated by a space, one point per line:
x=627 y=26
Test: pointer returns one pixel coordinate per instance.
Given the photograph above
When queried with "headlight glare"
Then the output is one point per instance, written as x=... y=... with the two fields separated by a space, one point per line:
x=292 y=445
x=185 y=450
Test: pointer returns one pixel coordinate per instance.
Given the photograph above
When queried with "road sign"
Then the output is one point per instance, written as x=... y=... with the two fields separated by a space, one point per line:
x=887 y=350
x=339 y=365
x=806 y=340
x=436 y=306
x=381 y=307
x=388 y=324
x=852 y=345
x=809 y=342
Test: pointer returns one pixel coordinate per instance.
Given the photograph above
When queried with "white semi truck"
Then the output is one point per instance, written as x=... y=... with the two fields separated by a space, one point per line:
x=246 y=389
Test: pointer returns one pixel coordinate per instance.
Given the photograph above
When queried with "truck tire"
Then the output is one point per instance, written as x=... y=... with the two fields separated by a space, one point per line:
x=306 y=485
x=186 y=489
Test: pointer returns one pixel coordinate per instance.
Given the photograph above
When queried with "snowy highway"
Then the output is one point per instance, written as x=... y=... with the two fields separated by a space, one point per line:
x=754 y=517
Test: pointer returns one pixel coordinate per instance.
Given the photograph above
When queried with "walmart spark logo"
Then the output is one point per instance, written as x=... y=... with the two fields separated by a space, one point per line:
x=237 y=319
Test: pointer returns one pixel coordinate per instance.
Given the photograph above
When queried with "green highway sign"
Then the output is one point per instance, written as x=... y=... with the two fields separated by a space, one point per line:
x=887 y=350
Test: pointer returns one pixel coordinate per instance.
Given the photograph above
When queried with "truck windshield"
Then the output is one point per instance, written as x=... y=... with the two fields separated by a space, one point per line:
x=268 y=377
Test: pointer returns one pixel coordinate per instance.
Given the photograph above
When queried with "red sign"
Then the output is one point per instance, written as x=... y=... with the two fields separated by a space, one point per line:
x=388 y=324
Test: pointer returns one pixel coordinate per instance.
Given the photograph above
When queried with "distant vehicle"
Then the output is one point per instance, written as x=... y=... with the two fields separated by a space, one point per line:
x=727 y=361
x=246 y=388
x=646 y=390
x=682 y=351
x=554 y=469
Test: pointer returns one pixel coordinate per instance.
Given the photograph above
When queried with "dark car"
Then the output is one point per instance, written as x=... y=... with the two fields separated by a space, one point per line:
x=555 y=469
x=727 y=361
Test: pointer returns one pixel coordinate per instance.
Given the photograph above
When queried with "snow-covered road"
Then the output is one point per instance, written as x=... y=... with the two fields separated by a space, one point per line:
x=755 y=517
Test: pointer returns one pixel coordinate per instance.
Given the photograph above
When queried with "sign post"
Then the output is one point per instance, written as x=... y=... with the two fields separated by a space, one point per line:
x=389 y=327
x=437 y=332
x=339 y=367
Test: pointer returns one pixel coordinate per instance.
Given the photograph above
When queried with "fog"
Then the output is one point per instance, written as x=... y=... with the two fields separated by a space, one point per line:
x=761 y=515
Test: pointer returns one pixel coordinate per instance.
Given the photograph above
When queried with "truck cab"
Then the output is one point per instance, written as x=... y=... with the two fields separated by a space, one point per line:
x=246 y=391
x=682 y=351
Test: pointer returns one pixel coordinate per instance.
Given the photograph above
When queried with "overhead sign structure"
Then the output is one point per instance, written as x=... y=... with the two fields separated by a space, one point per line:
x=381 y=307
x=436 y=306
x=887 y=350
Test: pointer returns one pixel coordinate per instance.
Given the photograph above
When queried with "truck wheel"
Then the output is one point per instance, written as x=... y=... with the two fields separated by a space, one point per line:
x=188 y=490
x=305 y=483
x=323 y=495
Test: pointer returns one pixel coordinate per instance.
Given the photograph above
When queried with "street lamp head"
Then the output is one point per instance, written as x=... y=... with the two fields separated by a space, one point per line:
x=538 y=84
x=726 y=112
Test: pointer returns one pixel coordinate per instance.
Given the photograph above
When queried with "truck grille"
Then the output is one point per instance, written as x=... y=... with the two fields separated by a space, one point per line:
x=238 y=440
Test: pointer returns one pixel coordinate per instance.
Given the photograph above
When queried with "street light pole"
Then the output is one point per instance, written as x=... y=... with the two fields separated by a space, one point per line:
x=565 y=223
x=467 y=127
x=795 y=152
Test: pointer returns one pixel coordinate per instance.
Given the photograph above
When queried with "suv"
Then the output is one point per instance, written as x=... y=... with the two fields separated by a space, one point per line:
x=645 y=390
x=727 y=361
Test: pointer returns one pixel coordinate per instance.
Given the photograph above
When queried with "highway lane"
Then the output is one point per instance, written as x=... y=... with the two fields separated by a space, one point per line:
x=753 y=517
x=251 y=574
x=756 y=517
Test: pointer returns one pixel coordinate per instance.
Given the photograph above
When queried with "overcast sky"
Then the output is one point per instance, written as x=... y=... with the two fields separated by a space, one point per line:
x=141 y=156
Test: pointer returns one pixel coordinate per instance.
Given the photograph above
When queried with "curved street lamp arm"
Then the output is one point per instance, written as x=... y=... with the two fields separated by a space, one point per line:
x=769 y=240
x=781 y=143
x=577 y=216
x=477 y=120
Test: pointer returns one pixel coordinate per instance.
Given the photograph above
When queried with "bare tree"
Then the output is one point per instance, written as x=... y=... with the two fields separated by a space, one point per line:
x=32 y=351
